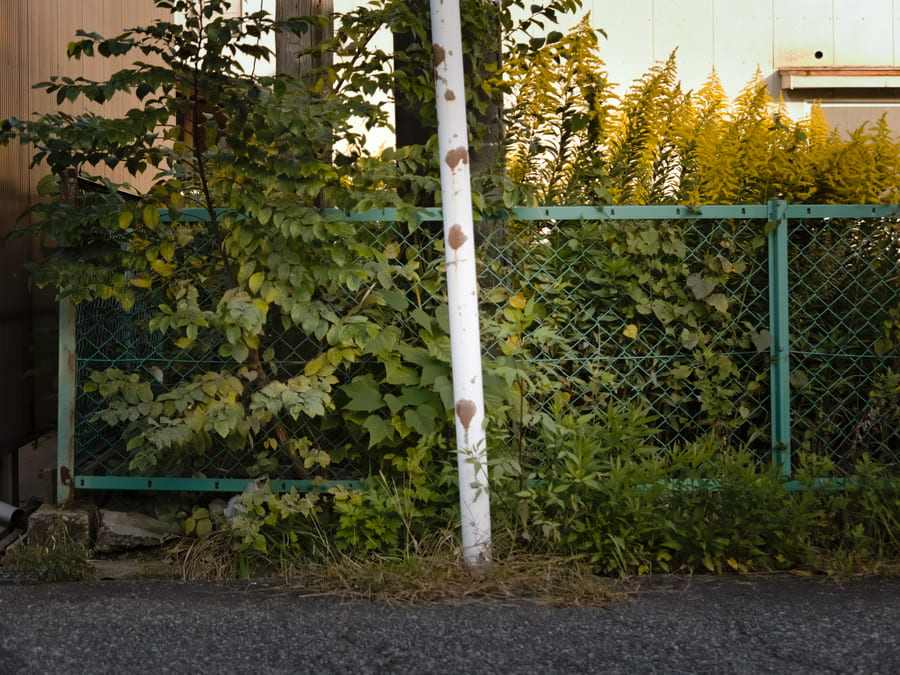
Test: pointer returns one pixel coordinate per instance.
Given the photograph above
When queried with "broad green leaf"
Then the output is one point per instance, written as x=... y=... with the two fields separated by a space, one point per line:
x=681 y=372
x=883 y=346
x=379 y=430
x=699 y=286
x=761 y=340
x=364 y=394
x=421 y=418
x=719 y=301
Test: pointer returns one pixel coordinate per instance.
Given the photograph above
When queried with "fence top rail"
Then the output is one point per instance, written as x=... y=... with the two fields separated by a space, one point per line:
x=558 y=213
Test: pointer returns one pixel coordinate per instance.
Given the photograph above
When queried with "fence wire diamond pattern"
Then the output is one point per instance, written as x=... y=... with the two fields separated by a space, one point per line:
x=664 y=308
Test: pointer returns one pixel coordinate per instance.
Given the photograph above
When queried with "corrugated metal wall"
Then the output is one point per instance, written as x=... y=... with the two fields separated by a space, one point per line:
x=33 y=39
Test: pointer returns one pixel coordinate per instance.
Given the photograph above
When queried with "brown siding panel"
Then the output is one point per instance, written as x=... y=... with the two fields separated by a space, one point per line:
x=33 y=39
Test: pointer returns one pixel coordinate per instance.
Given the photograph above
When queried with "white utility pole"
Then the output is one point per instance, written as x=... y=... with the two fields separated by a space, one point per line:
x=462 y=284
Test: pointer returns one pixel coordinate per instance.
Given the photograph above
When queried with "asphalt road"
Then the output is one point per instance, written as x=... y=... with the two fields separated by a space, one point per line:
x=767 y=624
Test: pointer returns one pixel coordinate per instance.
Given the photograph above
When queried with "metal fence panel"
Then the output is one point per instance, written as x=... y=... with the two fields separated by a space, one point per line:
x=789 y=357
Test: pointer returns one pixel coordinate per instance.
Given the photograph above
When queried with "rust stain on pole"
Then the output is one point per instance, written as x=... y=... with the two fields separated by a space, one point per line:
x=465 y=411
x=457 y=155
x=456 y=237
x=65 y=475
x=439 y=55
x=449 y=95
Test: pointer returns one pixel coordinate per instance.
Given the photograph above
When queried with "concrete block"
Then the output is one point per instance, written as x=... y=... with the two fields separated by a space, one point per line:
x=122 y=530
x=51 y=525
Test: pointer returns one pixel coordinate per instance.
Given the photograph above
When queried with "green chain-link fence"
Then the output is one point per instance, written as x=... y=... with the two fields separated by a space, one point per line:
x=770 y=325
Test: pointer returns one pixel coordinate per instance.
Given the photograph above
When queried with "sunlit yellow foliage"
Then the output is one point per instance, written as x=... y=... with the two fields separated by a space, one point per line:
x=571 y=141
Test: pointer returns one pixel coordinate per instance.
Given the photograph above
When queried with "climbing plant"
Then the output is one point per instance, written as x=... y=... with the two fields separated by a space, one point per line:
x=303 y=342
x=276 y=300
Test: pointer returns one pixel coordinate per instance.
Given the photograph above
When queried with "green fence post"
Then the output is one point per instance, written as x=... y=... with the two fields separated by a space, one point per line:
x=65 y=425
x=780 y=350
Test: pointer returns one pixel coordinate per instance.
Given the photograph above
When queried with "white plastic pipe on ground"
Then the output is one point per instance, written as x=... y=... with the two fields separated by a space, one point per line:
x=462 y=284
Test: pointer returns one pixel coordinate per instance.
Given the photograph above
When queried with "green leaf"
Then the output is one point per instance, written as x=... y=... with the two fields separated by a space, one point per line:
x=421 y=418
x=396 y=301
x=364 y=394
x=681 y=372
x=883 y=346
x=48 y=185
x=689 y=339
x=379 y=429
x=396 y=373
x=761 y=340
x=719 y=301
x=699 y=286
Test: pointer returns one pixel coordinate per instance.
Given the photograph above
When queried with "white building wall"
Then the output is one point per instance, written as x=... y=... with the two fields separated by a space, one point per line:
x=735 y=37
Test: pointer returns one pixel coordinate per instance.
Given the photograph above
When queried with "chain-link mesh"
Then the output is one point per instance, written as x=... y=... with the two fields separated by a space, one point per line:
x=844 y=281
x=634 y=319
x=667 y=314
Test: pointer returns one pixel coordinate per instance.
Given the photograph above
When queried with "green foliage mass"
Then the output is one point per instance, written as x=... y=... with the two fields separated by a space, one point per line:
x=264 y=319
x=306 y=344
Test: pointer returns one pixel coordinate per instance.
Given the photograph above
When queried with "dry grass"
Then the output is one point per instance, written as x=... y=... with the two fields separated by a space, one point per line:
x=210 y=559
x=436 y=575
x=445 y=579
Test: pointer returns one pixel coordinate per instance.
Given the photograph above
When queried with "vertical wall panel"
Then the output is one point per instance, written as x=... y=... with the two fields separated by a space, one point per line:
x=802 y=29
x=685 y=25
x=895 y=31
x=33 y=39
x=743 y=41
x=863 y=35
x=15 y=304
x=628 y=49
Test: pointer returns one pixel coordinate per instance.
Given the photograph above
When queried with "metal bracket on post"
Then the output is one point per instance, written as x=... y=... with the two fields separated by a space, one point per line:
x=65 y=426
x=780 y=350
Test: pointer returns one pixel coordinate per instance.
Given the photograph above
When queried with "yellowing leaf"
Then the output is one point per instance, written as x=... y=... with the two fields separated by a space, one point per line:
x=255 y=281
x=151 y=216
x=167 y=250
x=204 y=528
x=125 y=219
x=631 y=331
x=512 y=343
x=316 y=365
x=518 y=301
x=392 y=250
x=719 y=301
x=141 y=281
x=733 y=564
x=162 y=268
